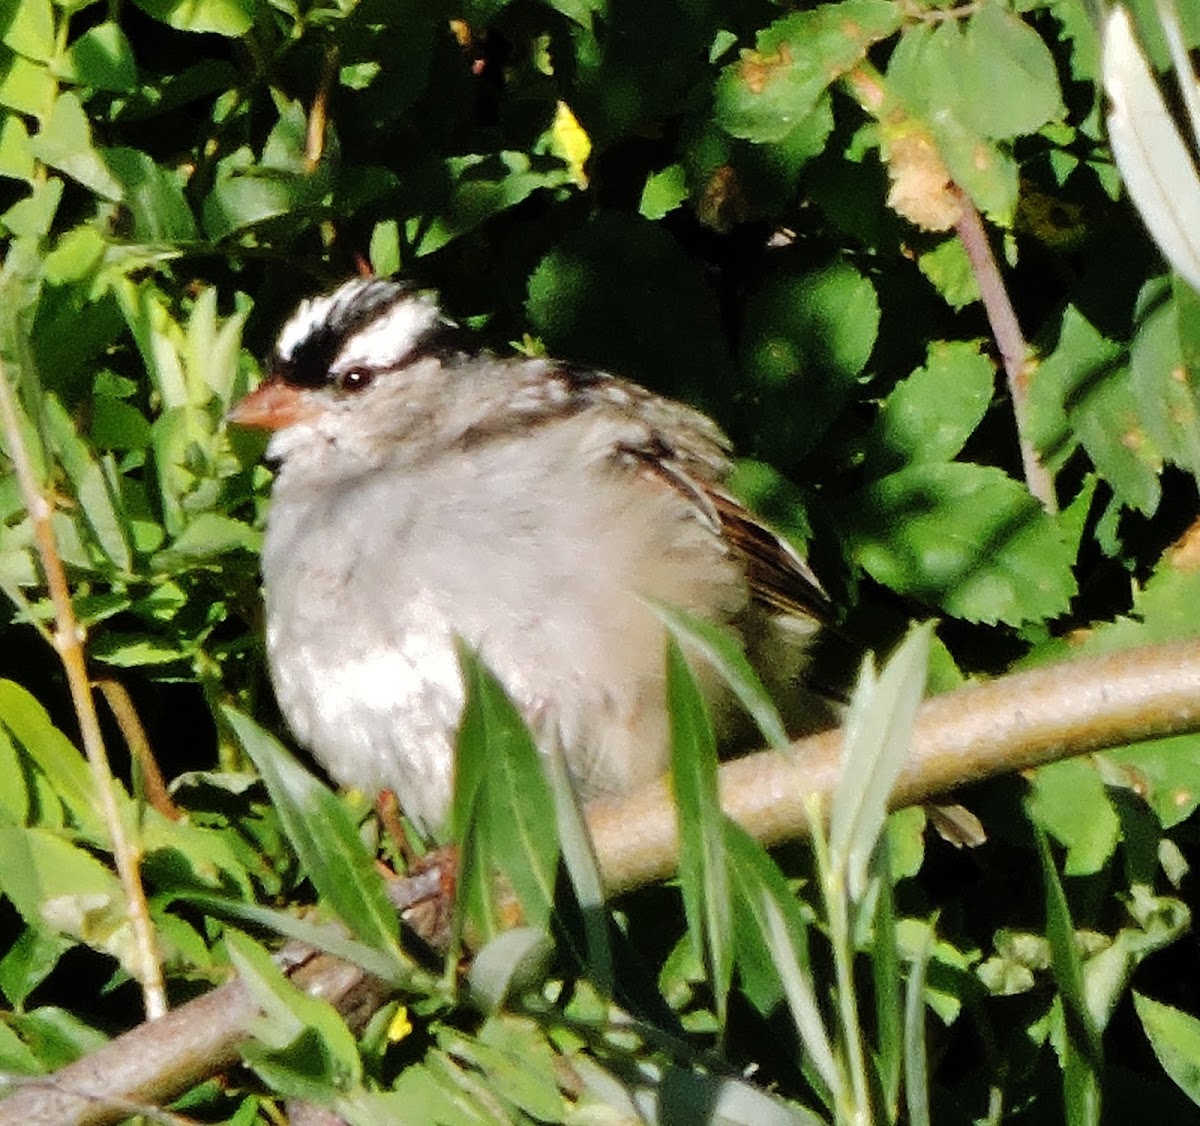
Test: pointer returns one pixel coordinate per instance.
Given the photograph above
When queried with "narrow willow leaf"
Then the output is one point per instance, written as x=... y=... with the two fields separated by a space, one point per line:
x=703 y=870
x=1082 y=1060
x=331 y=938
x=325 y=839
x=916 y=1062
x=1152 y=156
x=508 y=961
x=802 y=1001
x=878 y=735
x=723 y=651
x=883 y=943
x=514 y=816
x=584 y=871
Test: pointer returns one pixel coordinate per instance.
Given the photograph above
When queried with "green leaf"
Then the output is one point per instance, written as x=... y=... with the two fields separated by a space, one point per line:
x=949 y=269
x=28 y=28
x=703 y=869
x=1175 y=1038
x=500 y=773
x=771 y=89
x=16 y=155
x=1081 y=394
x=512 y=961
x=1167 y=402
x=806 y=340
x=55 y=756
x=916 y=1061
x=325 y=839
x=1005 y=83
x=931 y=414
x=623 y=270
x=722 y=650
x=25 y=86
x=65 y=143
x=303 y=1046
x=102 y=59
x=97 y=503
x=664 y=192
x=231 y=18
x=205 y=538
x=1081 y=1040
x=154 y=196
x=1069 y=801
x=876 y=741
x=964 y=537
x=464 y=191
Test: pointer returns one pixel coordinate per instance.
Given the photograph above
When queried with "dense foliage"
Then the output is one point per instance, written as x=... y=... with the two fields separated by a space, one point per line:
x=747 y=205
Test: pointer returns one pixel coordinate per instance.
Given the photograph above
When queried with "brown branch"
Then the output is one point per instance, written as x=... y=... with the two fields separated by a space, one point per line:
x=117 y=697
x=68 y=641
x=1016 y=722
x=1014 y=352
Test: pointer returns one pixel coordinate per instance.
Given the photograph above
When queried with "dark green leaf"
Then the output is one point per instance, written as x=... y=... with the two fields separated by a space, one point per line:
x=967 y=538
x=325 y=839
x=764 y=95
x=931 y=414
x=501 y=773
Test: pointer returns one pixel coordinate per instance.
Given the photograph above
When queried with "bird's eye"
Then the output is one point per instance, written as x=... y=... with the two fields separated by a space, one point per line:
x=355 y=379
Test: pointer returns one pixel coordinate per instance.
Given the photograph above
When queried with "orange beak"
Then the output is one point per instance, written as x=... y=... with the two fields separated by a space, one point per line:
x=273 y=405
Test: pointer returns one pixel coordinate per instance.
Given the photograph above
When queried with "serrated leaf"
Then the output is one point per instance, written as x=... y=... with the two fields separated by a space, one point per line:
x=967 y=538
x=806 y=339
x=1162 y=384
x=1081 y=393
x=771 y=89
x=1006 y=82
x=931 y=414
x=703 y=869
x=325 y=839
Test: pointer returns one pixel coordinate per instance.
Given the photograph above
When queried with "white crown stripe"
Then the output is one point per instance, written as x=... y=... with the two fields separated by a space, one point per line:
x=385 y=340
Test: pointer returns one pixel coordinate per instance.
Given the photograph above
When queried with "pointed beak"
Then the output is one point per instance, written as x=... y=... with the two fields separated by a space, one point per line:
x=273 y=405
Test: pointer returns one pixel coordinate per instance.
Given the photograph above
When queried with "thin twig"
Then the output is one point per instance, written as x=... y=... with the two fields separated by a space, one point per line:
x=1014 y=352
x=68 y=641
x=1010 y=724
x=154 y=786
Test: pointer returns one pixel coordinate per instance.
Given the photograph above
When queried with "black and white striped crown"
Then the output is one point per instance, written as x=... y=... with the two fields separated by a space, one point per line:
x=365 y=326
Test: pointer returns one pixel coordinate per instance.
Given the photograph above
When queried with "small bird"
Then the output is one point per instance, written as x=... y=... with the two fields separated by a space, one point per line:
x=428 y=490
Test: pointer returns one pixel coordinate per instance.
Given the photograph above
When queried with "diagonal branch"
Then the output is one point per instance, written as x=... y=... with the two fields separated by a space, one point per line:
x=1016 y=722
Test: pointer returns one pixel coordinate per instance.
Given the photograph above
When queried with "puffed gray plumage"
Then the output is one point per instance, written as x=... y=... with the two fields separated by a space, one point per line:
x=426 y=492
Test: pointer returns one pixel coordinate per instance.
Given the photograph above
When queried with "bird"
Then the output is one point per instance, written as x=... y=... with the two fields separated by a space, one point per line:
x=429 y=492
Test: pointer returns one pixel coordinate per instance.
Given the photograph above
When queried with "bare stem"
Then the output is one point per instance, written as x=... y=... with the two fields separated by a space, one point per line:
x=68 y=641
x=116 y=695
x=1014 y=352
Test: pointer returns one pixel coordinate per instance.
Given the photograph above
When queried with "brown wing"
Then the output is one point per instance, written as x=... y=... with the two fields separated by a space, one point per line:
x=779 y=578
